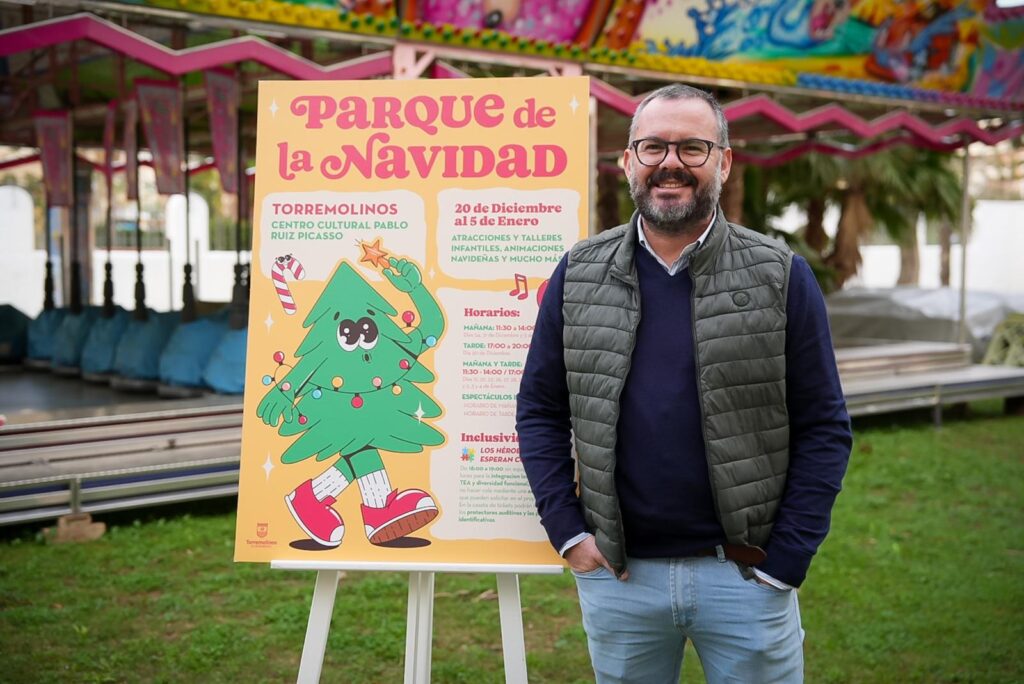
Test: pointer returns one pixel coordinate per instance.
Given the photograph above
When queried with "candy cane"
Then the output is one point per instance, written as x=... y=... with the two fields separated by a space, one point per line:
x=292 y=265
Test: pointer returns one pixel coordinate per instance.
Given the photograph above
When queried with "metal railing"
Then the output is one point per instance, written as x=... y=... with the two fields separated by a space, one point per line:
x=171 y=453
x=106 y=463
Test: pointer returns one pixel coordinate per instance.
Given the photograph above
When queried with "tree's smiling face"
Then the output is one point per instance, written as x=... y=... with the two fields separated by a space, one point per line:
x=365 y=356
x=356 y=346
x=361 y=334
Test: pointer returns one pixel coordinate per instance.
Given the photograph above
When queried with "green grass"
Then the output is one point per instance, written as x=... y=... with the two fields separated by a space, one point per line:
x=919 y=581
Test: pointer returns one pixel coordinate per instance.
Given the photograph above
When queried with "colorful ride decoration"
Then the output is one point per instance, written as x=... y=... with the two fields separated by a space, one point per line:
x=553 y=21
x=373 y=17
x=896 y=127
x=950 y=46
x=960 y=52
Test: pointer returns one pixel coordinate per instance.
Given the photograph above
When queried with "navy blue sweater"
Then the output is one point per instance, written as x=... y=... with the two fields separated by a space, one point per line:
x=662 y=473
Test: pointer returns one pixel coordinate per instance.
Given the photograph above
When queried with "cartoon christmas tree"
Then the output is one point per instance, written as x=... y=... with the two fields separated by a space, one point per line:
x=353 y=393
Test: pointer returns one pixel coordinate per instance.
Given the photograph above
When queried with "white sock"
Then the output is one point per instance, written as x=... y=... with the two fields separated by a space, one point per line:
x=375 y=488
x=331 y=482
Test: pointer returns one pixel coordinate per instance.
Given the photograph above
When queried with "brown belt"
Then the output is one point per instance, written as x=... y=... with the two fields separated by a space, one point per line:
x=748 y=555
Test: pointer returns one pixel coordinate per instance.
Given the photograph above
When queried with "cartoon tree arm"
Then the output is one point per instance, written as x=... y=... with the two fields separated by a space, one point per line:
x=279 y=401
x=406 y=277
x=273 y=406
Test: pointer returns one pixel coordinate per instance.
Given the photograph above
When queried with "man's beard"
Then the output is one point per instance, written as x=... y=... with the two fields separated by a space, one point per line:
x=677 y=217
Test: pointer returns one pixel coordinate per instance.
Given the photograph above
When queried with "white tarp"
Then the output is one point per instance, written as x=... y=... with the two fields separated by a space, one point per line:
x=870 y=315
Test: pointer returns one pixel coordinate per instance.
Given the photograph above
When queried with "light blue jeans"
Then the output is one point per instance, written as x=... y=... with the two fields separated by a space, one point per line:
x=744 y=632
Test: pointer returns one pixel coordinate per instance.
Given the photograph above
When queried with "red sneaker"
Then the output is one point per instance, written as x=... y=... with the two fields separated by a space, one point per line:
x=316 y=518
x=402 y=514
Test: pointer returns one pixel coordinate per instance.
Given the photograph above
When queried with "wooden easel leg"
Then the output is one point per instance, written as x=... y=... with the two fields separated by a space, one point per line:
x=319 y=624
x=513 y=643
x=419 y=627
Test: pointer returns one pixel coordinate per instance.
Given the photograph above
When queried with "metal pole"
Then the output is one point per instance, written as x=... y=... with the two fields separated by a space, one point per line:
x=965 y=229
x=170 y=276
x=75 y=271
x=140 y=313
x=188 y=302
x=76 y=495
x=239 y=309
x=195 y=270
x=48 y=279
x=108 y=268
x=239 y=179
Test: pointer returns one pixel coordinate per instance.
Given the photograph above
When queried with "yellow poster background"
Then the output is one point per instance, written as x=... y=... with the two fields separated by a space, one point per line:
x=481 y=185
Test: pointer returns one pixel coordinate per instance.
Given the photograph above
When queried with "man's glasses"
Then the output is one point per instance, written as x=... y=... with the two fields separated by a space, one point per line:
x=692 y=152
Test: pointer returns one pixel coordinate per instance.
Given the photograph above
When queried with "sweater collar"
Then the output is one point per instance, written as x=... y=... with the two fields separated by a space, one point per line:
x=624 y=267
x=683 y=259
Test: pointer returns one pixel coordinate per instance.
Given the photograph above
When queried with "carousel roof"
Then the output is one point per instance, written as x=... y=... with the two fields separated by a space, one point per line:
x=82 y=61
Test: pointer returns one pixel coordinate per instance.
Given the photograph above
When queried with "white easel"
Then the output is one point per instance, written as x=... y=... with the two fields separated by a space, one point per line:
x=420 y=614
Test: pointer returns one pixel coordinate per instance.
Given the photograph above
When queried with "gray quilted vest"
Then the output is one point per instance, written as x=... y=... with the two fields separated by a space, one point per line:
x=740 y=281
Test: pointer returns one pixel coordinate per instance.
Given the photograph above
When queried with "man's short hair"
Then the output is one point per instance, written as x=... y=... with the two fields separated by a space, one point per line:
x=680 y=91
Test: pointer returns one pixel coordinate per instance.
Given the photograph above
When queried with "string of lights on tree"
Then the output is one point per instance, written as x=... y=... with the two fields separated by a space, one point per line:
x=378 y=257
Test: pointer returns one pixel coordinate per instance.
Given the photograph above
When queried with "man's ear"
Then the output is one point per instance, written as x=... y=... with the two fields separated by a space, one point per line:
x=726 y=163
x=627 y=160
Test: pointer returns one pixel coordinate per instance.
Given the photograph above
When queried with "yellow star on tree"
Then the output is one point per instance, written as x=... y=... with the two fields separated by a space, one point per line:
x=373 y=254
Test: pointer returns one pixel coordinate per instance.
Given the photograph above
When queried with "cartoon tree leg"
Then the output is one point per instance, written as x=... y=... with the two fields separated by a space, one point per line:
x=388 y=513
x=311 y=505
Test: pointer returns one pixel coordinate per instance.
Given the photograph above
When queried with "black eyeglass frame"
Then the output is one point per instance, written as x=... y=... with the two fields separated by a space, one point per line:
x=678 y=145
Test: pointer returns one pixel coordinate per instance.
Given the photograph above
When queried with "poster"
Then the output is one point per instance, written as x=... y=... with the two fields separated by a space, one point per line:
x=404 y=234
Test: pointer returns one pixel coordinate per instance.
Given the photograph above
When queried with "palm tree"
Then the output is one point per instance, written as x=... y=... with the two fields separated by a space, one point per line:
x=811 y=181
x=935 y=192
x=885 y=191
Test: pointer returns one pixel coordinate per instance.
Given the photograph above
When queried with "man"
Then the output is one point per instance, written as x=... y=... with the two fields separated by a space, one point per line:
x=690 y=361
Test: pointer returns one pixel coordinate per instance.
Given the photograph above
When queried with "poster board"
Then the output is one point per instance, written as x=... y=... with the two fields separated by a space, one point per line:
x=403 y=235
